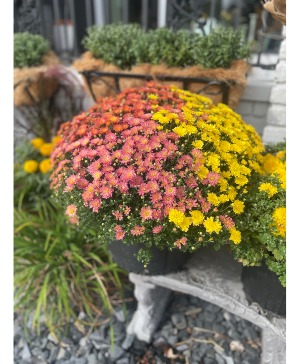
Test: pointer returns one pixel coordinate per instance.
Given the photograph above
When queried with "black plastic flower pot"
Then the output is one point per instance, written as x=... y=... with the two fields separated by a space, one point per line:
x=263 y=287
x=162 y=262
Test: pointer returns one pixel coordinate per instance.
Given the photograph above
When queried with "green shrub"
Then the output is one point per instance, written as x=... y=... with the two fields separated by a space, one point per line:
x=29 y=49
x=163 y=45
x=113 y=43
x=127 y=45
x=220 y=48
x=58 y=271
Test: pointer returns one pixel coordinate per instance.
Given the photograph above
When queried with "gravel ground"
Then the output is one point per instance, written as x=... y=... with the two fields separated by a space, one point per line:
x=192 y=332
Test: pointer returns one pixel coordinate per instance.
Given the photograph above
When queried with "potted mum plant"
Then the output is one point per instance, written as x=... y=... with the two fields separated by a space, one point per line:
x=156 y=167
x=219 y=56
x=32 y=58
x=263 y=227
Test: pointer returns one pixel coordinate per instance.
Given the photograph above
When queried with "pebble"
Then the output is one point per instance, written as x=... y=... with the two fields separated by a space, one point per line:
x=25 y=354
x=116 y=352
x=184 y=314
x=92 y=359
x=179 y=321
x=120 y=315
x=61 y=353
x=127 y=343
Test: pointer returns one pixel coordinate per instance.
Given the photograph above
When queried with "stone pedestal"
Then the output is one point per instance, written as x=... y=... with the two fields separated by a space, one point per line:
x=214 y=277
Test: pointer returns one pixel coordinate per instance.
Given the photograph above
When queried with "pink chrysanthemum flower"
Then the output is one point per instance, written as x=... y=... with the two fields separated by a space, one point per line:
x=227 y=221
x=123 y=187
x=137 y=230
x=71 y=182
x=127 y=210
x=106 y=191
x=71 y=210
x=157 y=214
x=95 y=205
x=180 y=242
x=118 y=215
x=146 y=213
x=212 y=179
x=120 y=233
x=157 y=229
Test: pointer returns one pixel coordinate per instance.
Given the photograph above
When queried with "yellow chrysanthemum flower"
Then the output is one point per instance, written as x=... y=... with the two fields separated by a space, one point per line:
x=231 y=193
x=176 y=216
x=56 y=139
x=213 y=199
x=281 y=154
x=180 y=130
x=279 y=218
x=45 y=165
x=185 y=223
x=197 y=217
x=268 y=188
x=198 y=144
x=241 y=180
x=30 y=166
x=152 y=97
x=37 y=142
x=235 y=235
x=271 y=163
x=203 y=171
x=46 y=149
x=190 y=129
x=212 y=226
x=238 y=206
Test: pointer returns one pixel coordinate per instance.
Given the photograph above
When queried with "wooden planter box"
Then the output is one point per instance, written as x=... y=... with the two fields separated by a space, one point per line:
x=103 y=79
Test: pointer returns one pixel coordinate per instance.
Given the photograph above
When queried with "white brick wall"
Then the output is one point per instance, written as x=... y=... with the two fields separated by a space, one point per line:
x=254 y=103
x=275 y=131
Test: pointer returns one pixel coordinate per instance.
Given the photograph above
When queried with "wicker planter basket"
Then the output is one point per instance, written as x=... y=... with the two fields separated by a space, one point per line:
x=105 y=86
x=32 y=85
x=278 y=9
x=236 y=73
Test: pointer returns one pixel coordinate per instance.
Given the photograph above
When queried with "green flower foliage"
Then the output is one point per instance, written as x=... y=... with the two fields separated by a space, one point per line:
x=128 y=45
x=263 y=237
x=29 y=49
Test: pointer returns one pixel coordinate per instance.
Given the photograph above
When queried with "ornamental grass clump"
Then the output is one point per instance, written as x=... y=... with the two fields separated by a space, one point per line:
x=59 y=271
x=263 y=223
x=157 y=165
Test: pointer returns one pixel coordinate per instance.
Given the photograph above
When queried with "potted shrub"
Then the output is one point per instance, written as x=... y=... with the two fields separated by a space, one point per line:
x=32 y=58
x=159 y=167
x=108 y=49
x=220 y=56
x=263 y=227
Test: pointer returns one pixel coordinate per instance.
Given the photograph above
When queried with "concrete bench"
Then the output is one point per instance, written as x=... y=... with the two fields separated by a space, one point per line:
x=214 y=277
